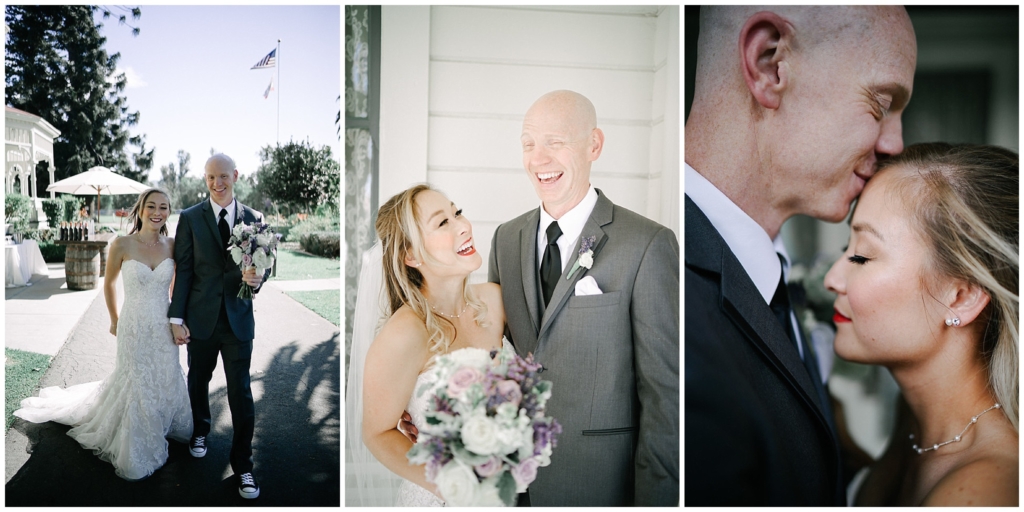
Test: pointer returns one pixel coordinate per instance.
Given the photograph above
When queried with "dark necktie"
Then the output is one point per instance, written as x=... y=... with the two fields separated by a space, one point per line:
x=225 y=232
x=551 y=265
x=781 y=307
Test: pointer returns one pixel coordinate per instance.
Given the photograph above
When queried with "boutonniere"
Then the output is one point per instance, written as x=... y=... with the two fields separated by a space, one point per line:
x=585 y=258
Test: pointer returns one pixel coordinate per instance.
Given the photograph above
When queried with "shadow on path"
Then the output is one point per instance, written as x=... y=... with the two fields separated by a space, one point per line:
x=296 y=449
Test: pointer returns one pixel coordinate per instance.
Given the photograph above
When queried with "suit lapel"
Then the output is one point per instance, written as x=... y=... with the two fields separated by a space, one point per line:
x=528 y=264
x=211 y=222
x=601 y=216
x=743 y=304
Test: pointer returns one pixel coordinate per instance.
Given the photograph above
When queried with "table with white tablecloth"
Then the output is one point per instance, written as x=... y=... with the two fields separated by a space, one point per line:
x=22 y=261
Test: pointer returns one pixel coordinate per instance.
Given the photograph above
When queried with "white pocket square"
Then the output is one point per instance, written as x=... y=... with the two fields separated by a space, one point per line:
x=587 y=286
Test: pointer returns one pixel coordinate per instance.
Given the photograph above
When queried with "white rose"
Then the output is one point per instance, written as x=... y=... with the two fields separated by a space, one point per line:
x=487 y=496
x=587 y=259
x=475 y=357
x=264 y=239
x=236 y=254
x=238 y=229
x=511 y=439
x=480 y=435
x=458 y=485
x=260 y=261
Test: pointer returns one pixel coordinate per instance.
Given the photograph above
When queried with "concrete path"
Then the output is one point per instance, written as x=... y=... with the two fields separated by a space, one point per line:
x=41 y=317
x=305 y=285
x=296 y=386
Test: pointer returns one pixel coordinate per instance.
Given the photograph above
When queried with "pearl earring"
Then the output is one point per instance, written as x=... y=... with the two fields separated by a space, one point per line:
x=953 y=322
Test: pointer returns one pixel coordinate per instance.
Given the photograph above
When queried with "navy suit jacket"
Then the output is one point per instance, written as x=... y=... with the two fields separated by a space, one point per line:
x=205 y=275
x=755 y=430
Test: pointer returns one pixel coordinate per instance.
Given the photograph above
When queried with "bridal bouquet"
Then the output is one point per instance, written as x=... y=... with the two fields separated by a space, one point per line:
x=252 y=246
x=485 y=433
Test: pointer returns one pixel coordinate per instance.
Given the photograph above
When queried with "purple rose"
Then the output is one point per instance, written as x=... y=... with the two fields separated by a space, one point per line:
x=509 y=390
x=490 y=468
x=462 y=379
x=245 y=244
x=525 y=473
x=247 y=260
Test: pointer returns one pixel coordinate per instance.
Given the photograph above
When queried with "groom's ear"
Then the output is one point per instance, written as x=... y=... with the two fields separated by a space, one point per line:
x=968 y=302
x=765 y=47
x=596 y=144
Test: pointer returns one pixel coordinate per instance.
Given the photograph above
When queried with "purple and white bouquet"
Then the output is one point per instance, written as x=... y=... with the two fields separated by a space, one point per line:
x=252 y=246
x=485 y=431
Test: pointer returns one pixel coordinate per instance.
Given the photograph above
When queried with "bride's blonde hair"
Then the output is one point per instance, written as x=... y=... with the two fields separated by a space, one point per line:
x=399 y=232
x=964 y=199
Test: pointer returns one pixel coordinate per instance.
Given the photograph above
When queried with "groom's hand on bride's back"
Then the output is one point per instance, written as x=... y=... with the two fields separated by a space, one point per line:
x=406 y=427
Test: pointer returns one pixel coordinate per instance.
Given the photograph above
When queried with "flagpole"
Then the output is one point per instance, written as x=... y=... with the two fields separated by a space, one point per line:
x=278 y=91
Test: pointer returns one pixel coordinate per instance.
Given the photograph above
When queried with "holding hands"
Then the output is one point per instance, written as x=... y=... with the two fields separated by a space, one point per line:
x=181 y=334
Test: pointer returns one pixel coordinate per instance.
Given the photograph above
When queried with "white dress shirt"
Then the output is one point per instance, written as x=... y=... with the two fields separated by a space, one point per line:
x=571 y=225
x=231 y=213
x=746 y=238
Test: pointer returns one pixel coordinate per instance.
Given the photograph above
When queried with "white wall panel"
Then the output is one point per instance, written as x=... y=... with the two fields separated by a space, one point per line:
x=487 y=196
x=460 y=87
x=492 y=34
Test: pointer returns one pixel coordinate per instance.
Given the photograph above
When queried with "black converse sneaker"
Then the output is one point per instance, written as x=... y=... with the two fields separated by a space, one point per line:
x=197 y=446
x=247 y=487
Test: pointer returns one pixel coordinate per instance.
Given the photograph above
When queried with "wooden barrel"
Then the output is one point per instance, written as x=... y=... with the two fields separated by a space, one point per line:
x=82 y=267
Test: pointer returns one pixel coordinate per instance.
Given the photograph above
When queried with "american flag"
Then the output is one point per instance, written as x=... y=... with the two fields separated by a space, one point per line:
x=267 y=62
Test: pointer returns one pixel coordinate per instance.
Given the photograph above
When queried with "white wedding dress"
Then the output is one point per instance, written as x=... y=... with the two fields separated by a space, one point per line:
x=125 y=418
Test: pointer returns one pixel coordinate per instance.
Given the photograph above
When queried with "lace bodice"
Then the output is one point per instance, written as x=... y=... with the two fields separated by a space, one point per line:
x=126 y=418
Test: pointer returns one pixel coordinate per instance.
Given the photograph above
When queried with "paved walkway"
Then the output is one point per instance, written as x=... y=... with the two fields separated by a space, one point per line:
x=296 y=386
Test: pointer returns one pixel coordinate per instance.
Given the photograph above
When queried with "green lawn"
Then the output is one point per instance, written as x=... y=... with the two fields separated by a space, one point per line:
x=23 y=371
x=326 y=303
x=292 y=265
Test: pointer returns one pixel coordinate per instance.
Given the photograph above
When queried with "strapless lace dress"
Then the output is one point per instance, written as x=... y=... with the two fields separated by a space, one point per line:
x=410 y=494
x=126 y=418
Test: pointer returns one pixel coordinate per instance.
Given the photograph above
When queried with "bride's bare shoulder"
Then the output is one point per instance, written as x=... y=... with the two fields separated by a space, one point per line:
x=403 y=332
x=990 y=480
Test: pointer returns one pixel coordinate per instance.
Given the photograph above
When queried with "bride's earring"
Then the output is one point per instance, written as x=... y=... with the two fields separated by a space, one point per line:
x=953 y=322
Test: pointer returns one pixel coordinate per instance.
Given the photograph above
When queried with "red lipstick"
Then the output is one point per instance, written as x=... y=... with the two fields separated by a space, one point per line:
x=839 y=317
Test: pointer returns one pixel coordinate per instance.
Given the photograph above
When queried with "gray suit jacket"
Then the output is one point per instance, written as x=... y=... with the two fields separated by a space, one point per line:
x=205 y=274
x=613 y=358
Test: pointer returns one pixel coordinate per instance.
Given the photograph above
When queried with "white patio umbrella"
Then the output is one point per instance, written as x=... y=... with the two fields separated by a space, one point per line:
x=97 y=180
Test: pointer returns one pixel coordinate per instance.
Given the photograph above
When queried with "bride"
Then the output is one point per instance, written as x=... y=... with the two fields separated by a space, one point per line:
x=126 y=418
x=428 y=253
x=928 y=288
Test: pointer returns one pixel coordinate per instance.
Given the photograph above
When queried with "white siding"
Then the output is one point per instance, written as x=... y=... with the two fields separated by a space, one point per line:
x=487 y=65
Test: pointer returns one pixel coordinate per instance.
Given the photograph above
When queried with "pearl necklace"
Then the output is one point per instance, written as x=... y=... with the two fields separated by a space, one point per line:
x=955 y=439
x=451 y=316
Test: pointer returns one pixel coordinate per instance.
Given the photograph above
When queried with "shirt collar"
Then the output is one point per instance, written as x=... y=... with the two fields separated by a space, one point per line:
x=230 y=208
x=573 y=221
x=746 y=238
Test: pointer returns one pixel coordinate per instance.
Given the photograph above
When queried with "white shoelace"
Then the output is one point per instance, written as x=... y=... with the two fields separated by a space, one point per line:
x=247 y=479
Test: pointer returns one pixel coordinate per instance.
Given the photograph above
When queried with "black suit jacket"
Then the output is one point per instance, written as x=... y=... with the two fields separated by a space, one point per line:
x=205 y=274
x=755 y=431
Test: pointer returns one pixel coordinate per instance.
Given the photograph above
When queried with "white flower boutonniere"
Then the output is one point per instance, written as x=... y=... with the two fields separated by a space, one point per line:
x=586 y=256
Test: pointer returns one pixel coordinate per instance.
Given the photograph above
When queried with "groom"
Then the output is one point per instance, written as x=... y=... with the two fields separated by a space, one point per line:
x=792 y=108
x=607 y=334
x=206 y=314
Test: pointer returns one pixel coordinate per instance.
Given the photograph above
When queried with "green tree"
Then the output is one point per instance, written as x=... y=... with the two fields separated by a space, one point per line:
x=299 y=175
x=56 y=67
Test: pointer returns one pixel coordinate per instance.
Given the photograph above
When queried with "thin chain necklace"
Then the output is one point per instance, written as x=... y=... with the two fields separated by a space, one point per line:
x=956 y=439
x=450 y=316
x=147 y=244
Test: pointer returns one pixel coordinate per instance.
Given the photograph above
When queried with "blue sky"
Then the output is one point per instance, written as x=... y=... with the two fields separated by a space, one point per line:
x=189 y=77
